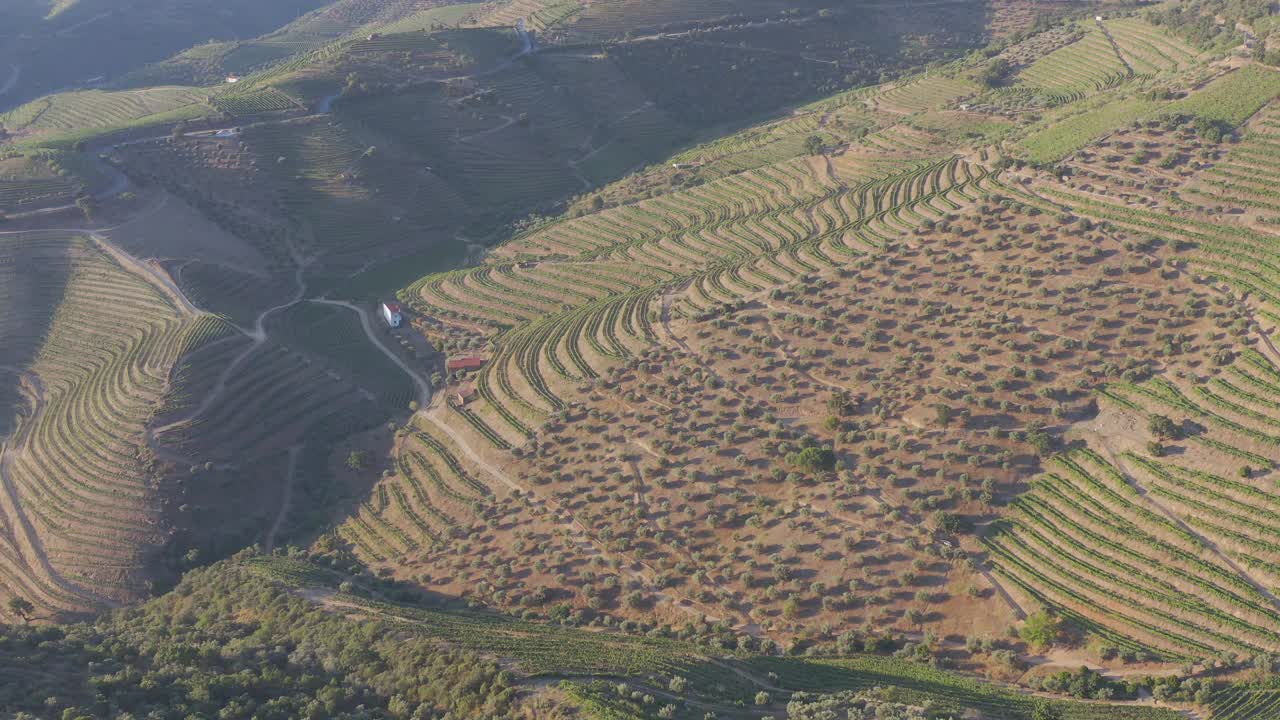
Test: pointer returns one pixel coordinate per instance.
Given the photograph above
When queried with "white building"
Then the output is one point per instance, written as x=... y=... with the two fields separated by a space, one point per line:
x=391 y=314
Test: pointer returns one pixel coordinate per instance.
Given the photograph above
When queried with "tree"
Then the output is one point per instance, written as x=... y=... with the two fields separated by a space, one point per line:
x=1162 y=427
x=1039 y=440
x=180 y=130
x=947 y=522
x=813 y=459
x=791 y=608
x=1213 y=130
x=357 y=460
x=945 y=413
x=21 y=607
x=840 y=403
x=86 y=205
x=994 y=73
x=762 y=698
x=814 y=145
x=1039 y=630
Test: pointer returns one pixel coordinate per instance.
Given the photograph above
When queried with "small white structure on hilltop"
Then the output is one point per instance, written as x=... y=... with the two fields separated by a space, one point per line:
x=391 y=314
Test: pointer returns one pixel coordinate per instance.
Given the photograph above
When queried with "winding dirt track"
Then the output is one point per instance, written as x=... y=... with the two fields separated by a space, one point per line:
x=147 y=270
x=257 y=336
x=423 y=385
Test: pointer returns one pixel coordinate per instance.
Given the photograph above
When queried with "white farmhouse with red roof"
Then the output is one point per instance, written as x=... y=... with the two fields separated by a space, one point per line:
x=391 y=313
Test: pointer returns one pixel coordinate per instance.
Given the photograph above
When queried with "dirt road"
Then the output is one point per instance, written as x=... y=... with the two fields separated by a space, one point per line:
x=149 y=270
x=257 y=335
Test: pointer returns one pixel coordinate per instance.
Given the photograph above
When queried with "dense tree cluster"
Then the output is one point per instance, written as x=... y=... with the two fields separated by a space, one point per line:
x=857 y=705
x=228 y=643
x=1198 y=21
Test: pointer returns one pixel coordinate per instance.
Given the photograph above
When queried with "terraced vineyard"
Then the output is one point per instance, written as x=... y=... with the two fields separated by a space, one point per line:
x=92 y=109
x=734 y=237
x=1086 y=66
x=1149 y=49
x=1085 y=541
x=732 y=333
x=608 y=321
x=34 y=193
x=82 y=506
x=1243 y=703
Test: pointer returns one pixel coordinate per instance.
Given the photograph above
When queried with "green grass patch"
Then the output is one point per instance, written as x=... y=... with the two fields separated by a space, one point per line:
x=1232 y=98
x=961 y=127
x=1058 y=139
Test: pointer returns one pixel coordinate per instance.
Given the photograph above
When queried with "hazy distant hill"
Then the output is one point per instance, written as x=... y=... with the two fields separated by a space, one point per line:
x=100 y=39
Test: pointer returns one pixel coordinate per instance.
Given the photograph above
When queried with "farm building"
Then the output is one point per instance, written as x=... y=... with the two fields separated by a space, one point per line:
x=464 y=363
x=391 y=314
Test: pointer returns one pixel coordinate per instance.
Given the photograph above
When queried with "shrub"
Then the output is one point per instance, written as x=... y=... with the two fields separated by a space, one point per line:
x=1039 y=630
x=813 y=459
x=1163 y=428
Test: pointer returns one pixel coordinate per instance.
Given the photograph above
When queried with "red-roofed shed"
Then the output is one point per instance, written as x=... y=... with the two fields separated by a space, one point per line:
x=464 y=363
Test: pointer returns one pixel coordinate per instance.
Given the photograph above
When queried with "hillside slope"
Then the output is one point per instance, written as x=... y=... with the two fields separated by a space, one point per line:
x=728 y=332
x=352 y=164
x=293 y=644
x=78 y=42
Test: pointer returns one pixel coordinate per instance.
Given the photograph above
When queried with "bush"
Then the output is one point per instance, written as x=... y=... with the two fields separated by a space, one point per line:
x=1040 y=440
x=1163 y=428
x=813 y=459
x=1039 y=630
x=994 y=73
